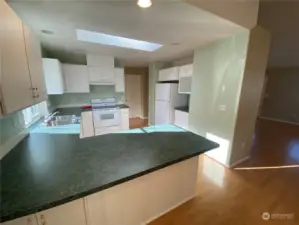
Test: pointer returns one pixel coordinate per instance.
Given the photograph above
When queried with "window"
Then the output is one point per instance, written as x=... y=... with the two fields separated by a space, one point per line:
x=31 y=114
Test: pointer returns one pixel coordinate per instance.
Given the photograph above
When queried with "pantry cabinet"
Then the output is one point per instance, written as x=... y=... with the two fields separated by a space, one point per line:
x=21 y=67
x=185 y=79
x=119 y=80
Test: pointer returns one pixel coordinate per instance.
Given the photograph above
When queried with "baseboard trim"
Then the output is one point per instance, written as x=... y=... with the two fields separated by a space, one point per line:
x=169 y=209
x=277 y=120
x=12 y=142
x=239 y=161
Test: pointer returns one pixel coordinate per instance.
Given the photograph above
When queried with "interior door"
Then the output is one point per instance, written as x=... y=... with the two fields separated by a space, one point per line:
x=163 y=92
x=133 y=95
x=162 y=112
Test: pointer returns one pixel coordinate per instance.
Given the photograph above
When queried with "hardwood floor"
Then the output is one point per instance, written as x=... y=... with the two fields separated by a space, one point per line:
x=276 y=144
x=138 y=123
x=239 y=197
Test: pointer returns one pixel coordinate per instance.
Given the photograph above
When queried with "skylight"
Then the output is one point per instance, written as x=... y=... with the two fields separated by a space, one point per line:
x=106 y=39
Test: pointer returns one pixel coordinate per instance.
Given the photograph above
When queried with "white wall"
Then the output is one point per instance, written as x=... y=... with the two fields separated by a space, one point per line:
x=252 y=86
x=216 y=85
x=241 y=12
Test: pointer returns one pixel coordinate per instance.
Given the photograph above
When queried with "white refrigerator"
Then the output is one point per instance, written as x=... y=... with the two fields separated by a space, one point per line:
x=167 y=98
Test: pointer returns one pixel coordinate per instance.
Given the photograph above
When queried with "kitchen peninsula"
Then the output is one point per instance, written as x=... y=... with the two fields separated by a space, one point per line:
x=109 y=179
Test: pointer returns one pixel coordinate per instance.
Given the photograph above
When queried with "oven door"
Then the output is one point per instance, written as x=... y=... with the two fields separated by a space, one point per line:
x=106 y=118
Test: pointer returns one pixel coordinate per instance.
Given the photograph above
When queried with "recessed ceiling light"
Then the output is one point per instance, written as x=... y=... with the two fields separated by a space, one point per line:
x=47 y=32
x=144 y=3
x=106 y=39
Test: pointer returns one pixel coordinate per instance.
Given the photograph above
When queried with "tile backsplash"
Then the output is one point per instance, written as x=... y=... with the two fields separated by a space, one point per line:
x=76 y=99
x=11 y=125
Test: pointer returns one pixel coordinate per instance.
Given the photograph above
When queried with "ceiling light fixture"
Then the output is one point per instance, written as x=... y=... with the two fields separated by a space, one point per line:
x=144 y=3
x=107 y=39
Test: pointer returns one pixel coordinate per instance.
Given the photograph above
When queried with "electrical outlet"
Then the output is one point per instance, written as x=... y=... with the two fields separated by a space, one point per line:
x=222 y=107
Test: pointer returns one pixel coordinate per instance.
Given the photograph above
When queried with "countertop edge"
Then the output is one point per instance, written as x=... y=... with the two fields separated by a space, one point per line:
x=5 y=218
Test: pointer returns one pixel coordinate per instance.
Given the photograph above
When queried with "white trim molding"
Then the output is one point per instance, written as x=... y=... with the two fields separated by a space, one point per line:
x=278 y=120
x=238 y=162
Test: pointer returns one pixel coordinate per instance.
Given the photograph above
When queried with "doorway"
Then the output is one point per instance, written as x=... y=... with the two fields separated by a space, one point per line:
x=133 y=94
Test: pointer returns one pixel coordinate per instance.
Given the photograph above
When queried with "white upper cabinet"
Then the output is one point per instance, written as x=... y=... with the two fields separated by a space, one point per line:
x=119 y=80
x=53 y=76
x=35 y=64
x=76 y=78
x=169 y=74
x=185 y=79
x=15 y=78
x=101 y=75
x=100 y=61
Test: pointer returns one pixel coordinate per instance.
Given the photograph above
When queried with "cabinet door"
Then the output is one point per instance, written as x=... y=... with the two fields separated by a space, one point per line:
x=53 y=76
x=71 y=213
x=100 y=60
x=169 y=74
x=119 y=80
x=15 y=80
x=181 y=119
x=87 y=124
x=76 y=78
x=125 y=119
x=35 y=64
x=186 y=70
x=26 y=220
x=101 y=75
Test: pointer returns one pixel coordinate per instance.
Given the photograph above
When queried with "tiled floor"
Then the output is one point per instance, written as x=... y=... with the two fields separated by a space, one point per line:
x=239 y=197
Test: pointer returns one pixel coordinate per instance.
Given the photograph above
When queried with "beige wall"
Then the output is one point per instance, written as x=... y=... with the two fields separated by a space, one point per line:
x=281 y=100
x=216 y=85
x=143 y=72
x=241 y=12
x=252 y=86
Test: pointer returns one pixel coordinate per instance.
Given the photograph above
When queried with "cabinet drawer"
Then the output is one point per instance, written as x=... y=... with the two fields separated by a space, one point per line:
x=169 y=74
x=100 y=75
x=186 y=71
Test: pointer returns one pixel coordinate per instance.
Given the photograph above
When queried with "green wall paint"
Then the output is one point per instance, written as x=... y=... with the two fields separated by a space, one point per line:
x=75 y=99
x=216 y=85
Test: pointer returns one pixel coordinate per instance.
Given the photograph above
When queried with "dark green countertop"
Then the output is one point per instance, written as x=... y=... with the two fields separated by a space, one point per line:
x=46 y=170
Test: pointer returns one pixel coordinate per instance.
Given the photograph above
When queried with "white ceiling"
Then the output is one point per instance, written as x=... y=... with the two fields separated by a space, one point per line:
x=166 y=22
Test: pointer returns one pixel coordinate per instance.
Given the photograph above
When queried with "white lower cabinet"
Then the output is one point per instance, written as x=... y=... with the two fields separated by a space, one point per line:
x=181 y=119
x=87 y=127
x=134 y=202
x=125 y=119
x=26 y=220
x=72 y=213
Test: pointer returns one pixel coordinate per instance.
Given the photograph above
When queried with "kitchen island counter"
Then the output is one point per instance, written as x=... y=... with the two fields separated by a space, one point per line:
x=47 y=170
